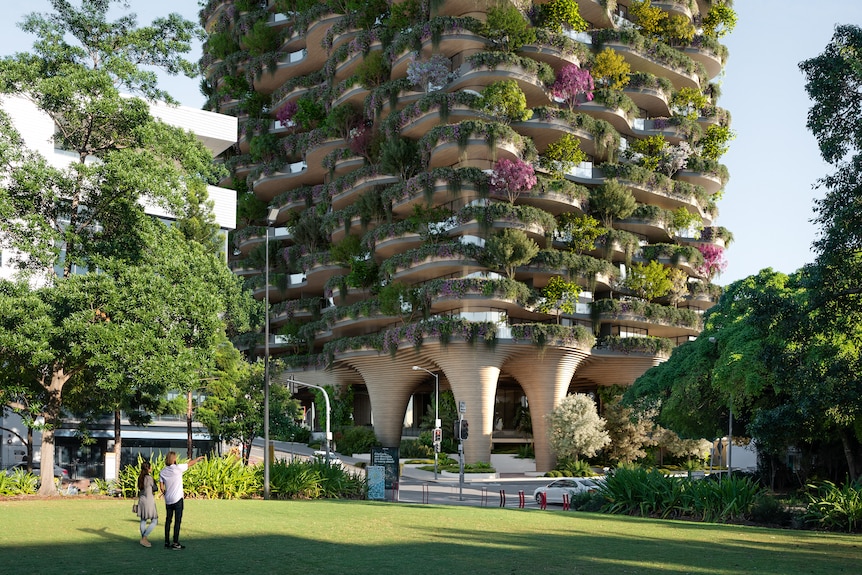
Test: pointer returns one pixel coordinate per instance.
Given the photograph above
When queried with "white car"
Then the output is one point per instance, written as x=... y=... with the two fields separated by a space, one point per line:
x=566 y=485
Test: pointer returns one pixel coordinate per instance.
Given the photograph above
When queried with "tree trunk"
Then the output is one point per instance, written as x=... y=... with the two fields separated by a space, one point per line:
x=52 y=420
x=189 y=413
x=848 y=454
x=118 y=442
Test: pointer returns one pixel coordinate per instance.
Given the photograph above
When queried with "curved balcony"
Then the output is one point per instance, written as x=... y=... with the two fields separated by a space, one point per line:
x=296 y=201
x=617 y=117
x=317 y=30
x=550 y=55
x=417 y=127
x=290 y=65
x=441 y=194
x=615 y=252
x=316 y=154
x=276 y=294
x=351 y=194
x=362 y=325
x=348 y=67
x=319 y=273
x=644 y=62
x=645 y=127
x=387 y=247
x=680 y=7
x=354 y=95
x=287 y=311
x=712 y=62
x=476 y=153
x=585 y=174
x=474 y=228
x=460 y=8
x=435 y=267
x=653 y=100
x=243 y=268
x=555 y=203
x=710 y=182
x=339 y=38
x=295 y=94
x=478 y=302
x=679 y=261
x=595 y=12
x=248 y=239
x=545 y=131
x=404 y=99
x=289 y=177
x=215 y=14
x=346 y=165
x=654 y=230
x=477 y=77
x=339 y=232
x=540 y=274
x=644 y=193
x=657 y=320
x=451 y=43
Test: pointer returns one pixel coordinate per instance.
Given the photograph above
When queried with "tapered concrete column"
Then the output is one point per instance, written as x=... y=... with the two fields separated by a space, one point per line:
x=472 y=372
x=390 y=383
x=545 y=377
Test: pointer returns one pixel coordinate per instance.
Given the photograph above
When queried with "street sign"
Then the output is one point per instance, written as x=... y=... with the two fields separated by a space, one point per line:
x=462 y=407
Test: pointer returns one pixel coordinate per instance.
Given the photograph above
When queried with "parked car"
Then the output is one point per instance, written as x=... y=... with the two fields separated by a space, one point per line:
x=566 y=485
x=37 y=470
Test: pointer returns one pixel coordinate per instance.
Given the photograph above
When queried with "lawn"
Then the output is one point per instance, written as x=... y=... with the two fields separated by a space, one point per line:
x=76 y=535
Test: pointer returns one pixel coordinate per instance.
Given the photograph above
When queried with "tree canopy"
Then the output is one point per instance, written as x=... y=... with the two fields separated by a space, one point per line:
x=148 y=304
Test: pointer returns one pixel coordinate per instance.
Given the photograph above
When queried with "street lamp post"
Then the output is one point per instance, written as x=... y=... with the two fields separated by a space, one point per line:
x=271 y=217
x=293 y=380
x=436 y=410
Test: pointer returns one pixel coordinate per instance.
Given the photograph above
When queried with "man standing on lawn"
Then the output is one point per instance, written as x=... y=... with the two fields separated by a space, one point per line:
x=171 y=484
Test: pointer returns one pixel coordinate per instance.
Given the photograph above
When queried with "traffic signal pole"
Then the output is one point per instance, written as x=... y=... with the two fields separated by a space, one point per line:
x=461 y=436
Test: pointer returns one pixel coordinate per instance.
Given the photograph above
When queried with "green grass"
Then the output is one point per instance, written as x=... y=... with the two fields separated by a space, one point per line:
x=71 y=536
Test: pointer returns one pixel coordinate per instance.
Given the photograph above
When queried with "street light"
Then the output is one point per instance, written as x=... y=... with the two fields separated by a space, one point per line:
x=292 y=379
x=436 y=409
x=271 y=217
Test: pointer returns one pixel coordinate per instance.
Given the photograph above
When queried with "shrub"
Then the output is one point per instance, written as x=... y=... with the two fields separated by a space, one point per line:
x=356 y=439
x=833 y=507
x=313 y=480
x=415 y=449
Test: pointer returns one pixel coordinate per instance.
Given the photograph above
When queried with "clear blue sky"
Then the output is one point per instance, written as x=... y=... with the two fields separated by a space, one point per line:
x=773 y=161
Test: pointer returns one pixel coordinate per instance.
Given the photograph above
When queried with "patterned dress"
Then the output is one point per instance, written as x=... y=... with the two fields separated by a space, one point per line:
x=147 y=499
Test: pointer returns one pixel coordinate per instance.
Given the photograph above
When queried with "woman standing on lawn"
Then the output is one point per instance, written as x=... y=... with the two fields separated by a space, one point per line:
x=147 y=503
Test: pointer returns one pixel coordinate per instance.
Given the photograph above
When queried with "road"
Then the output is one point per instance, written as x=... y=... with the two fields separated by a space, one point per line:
x=418 y=486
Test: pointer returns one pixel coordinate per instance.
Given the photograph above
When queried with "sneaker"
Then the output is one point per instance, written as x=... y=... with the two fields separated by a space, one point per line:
x=167 y=545
x=177 y=546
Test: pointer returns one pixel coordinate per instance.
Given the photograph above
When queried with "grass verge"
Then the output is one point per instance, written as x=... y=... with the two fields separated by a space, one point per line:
x=84 y=535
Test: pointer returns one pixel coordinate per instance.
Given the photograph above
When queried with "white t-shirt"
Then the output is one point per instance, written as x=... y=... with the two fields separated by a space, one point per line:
x=172 y=479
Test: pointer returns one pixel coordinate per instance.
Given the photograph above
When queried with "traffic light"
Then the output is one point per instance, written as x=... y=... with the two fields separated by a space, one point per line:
x=437 y=435
x=464 y=431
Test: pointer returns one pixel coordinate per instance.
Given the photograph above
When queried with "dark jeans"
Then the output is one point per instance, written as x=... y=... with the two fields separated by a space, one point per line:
x=174 y=509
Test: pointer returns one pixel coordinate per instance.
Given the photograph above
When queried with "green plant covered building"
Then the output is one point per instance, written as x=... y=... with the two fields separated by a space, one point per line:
x=517 y=197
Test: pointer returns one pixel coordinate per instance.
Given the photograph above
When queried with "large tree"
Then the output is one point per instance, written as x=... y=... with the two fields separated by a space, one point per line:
x=80 y=67
x=832 y=356
x=233 y=408
x=119 y=339
x=148 y=318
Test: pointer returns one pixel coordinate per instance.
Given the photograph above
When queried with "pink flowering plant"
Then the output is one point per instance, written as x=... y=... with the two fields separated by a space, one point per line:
x=713 y=260
x=510 y=178
x=573 y=82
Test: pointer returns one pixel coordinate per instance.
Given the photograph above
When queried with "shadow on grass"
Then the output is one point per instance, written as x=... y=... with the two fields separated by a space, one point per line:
x=316 y=537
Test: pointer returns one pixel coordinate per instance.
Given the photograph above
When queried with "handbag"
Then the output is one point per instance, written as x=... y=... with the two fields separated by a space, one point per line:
x=135 y=508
